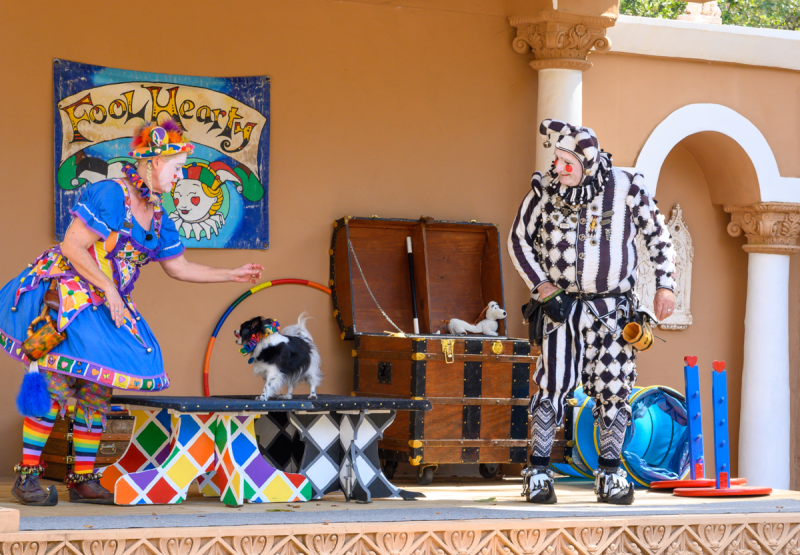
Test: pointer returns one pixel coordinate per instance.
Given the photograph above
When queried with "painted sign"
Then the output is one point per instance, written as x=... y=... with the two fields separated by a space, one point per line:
x=222 y=199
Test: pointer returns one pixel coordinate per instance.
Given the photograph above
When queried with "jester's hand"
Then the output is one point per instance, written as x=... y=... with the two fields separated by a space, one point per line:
x=664 y=304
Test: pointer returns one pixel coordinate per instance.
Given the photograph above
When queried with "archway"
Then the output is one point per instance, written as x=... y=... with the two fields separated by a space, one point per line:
x=728 y=145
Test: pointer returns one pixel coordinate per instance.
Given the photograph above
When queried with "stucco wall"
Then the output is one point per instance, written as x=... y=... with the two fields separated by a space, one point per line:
x=375 y=110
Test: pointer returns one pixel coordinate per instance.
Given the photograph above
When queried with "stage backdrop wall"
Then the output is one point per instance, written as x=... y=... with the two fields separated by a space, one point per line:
x=380 y=110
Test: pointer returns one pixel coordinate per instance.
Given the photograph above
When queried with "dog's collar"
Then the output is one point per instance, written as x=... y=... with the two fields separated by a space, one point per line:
x=269 y=329
x=247 y=349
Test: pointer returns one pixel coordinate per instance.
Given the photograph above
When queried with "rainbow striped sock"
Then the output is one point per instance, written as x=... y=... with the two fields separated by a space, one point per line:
x=86 y=440
x=34 y=435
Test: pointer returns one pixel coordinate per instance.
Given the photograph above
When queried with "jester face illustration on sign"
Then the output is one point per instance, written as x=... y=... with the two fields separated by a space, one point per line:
x=199 y=196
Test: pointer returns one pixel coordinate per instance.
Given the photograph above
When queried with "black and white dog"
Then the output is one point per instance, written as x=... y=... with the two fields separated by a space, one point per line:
x=286 y=357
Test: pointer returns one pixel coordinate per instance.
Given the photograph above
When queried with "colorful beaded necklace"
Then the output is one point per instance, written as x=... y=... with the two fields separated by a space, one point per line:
x=133 y=176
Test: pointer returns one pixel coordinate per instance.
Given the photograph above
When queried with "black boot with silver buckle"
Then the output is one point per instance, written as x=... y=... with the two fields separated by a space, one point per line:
x=537 y=485
x=611 y=486
x=27 y=489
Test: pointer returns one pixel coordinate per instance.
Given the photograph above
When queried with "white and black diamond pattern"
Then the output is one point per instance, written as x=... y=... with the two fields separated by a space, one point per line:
x=342 y=454
x=279 y=442
x=323 y=452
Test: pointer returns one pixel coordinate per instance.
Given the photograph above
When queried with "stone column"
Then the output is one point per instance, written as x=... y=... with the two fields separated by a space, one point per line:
x=772 y=230
x=560 y=42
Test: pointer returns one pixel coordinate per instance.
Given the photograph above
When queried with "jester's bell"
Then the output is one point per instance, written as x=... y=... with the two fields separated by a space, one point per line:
x=548 y=144
x=587 y=172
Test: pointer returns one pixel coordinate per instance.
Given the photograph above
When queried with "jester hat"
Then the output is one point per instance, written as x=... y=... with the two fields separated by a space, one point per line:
x=581 y=142
x=153 y=140
x=211 y=174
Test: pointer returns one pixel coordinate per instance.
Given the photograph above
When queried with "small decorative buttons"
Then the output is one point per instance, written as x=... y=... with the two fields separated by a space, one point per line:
x=583 y=221
x=582 y=255
x=594 y=208
x=582 y=237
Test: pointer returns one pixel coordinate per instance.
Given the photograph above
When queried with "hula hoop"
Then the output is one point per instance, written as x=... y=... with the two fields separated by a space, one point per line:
x=237 y=302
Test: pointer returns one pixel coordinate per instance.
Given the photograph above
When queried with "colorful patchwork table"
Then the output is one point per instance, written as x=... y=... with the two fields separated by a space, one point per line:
x=213 y=441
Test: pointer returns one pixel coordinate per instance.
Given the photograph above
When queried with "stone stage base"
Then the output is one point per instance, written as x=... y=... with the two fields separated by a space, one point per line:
x=463 y=517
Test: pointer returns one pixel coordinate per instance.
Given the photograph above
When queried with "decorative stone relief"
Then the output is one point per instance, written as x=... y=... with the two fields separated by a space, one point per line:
x=681 y=318
x=770 y=227
x=561 y=39
x=763 y=534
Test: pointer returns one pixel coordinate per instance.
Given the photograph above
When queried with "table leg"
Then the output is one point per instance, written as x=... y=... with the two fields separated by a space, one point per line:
x=148 y=448
x=359 y=435
x=209 y=484
x=323 y=452
x=244 y=474
x=192 y=455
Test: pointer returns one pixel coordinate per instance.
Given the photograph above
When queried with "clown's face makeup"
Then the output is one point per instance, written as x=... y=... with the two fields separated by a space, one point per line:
x=166 y=171
x=568 y=168
x=191 y=202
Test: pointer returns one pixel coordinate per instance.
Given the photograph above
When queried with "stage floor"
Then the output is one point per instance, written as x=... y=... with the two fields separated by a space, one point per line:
x=446 y=500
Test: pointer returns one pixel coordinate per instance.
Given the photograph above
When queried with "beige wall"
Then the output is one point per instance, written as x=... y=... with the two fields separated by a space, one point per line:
x=375 y=110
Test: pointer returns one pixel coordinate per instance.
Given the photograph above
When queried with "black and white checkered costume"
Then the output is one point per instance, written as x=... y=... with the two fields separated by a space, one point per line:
x=587 y=248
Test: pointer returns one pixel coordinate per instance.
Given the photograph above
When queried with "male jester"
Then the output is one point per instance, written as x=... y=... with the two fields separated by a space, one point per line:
x=573 y=243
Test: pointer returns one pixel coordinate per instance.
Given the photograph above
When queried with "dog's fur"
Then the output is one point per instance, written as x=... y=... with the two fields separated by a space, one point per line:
x=487 y=326
x=284 y=358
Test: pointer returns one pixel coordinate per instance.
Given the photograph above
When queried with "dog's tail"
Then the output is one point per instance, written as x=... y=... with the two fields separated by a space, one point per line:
x=299 y=329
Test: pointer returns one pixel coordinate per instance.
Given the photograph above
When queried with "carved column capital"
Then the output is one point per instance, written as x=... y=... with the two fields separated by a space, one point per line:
x=770 y=227
x=561 y=40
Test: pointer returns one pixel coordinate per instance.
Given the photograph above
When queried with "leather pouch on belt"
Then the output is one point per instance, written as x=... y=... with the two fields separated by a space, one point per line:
x=42 y=341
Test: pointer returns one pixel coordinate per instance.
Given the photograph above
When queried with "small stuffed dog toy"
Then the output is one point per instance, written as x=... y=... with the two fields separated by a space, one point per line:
x=488 y=326
x=281 y=357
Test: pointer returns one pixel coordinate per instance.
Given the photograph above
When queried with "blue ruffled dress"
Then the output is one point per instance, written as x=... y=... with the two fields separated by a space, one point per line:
x=128 y=357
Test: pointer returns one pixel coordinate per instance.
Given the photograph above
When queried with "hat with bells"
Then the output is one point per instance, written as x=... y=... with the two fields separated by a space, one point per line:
x=582 y=143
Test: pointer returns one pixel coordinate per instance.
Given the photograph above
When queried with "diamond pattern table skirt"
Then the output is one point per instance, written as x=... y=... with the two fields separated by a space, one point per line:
x=341 y=453
x=218 y=450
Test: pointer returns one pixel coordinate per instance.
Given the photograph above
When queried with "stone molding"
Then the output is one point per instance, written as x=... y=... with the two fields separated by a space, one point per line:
x=742 y=534
x=770 y=227
x=561 y=40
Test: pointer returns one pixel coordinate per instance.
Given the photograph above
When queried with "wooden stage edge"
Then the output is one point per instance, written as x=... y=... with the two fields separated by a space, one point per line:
x=765 y=533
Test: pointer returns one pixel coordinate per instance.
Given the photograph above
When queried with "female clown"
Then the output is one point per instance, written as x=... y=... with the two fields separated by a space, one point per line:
x=573 y=244
x=118 y=226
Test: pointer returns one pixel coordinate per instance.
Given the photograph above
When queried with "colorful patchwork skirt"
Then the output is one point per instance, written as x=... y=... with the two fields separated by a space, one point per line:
x=95 y=349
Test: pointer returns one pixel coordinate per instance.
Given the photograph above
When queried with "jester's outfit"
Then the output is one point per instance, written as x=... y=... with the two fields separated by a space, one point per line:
x=582 y=240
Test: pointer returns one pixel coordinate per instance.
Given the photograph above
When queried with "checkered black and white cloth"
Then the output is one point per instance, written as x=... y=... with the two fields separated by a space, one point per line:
x=590 y=247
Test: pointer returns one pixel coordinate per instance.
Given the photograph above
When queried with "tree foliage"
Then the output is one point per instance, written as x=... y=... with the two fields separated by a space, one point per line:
x=773 y=14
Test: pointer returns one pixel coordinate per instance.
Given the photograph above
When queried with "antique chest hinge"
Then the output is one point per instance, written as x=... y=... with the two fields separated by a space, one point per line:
x=447 y=349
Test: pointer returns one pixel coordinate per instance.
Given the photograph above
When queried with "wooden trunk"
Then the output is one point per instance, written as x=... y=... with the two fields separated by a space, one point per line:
x=479 y=386
x=59 y=453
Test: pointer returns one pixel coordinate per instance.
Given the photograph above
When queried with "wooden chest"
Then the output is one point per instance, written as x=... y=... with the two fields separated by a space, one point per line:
x=479 y=386
x=59 y=453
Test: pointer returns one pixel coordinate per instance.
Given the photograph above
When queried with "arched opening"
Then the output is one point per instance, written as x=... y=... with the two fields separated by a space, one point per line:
x=702 y=172
x=731 y=150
